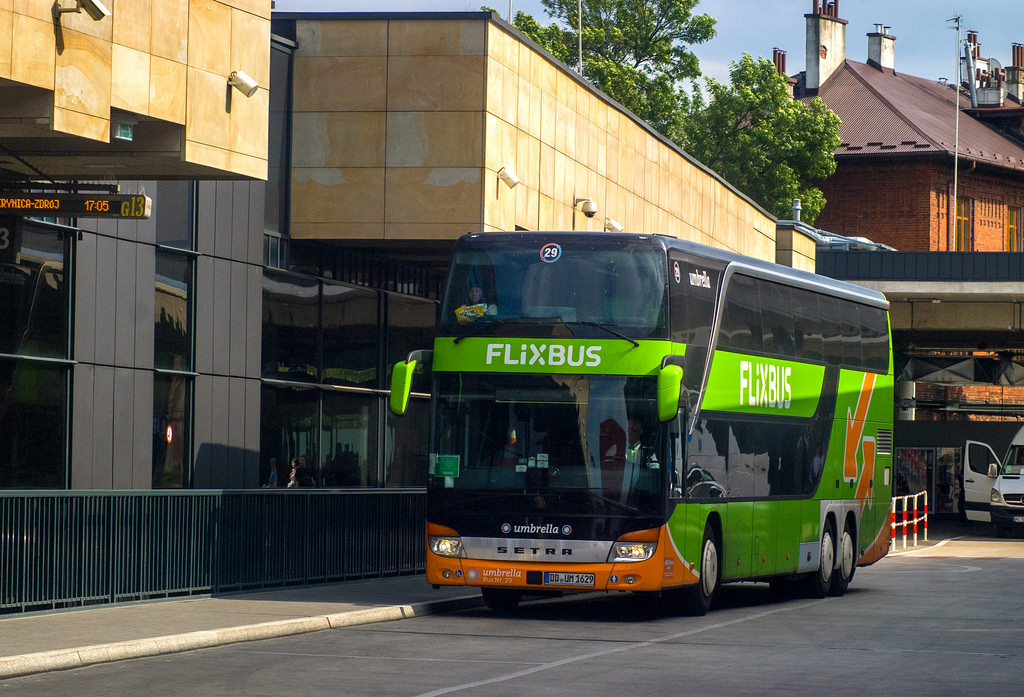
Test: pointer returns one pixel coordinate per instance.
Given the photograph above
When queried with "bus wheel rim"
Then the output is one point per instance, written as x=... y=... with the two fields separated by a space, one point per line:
x=828 y=556
x=709 y=568
x=846 y=550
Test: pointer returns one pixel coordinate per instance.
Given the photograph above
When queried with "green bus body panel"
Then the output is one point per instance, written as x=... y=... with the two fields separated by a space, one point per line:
x=762 y=537
x=566 y=356
x=755 y=385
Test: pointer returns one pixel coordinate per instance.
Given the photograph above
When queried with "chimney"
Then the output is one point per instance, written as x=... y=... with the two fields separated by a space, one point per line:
x=972 y=40
x=1015 y=73
x=779 y=58
x=825 y=47
x=881 y=48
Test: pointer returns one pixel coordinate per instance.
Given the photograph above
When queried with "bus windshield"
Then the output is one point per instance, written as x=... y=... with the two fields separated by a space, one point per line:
x=511 y=287
x=538 y=434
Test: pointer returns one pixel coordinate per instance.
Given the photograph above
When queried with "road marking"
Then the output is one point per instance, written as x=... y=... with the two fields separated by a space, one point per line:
x=618 y=649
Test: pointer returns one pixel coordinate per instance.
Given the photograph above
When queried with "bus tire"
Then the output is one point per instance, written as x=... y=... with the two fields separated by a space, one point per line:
x=820 y=582
x=702 y=596
x=842 y=576
x=501 y=600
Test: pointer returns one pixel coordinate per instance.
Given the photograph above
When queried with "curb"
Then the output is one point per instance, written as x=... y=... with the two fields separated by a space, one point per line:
x=67 y=659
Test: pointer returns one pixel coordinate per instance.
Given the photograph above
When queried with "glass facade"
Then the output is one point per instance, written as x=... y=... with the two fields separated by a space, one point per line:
x=327 y=353
x=171 y=431
x=172 y=320
x=34 y=372
x=173 y=342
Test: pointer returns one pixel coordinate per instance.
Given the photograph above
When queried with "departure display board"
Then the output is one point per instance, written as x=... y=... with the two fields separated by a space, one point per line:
x=76 y=205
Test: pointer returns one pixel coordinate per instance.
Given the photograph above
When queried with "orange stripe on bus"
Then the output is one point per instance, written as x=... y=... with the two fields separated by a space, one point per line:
x=855 y=427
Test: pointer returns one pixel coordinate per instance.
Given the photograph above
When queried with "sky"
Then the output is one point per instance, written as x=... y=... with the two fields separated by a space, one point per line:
x=925 y=41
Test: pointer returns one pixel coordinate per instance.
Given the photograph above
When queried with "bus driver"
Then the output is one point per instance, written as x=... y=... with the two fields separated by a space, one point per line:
x=475 y=307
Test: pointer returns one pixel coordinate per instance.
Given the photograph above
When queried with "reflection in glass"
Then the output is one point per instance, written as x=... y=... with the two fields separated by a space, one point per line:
x=411 y=323
x=172 y=341
x=288 y=427
x=349 y=433
x=33 y=303
x=33 y=414
x=406 y=451
x=174 y=214
x=171 y=464
x=291 y=321
x=351 y=336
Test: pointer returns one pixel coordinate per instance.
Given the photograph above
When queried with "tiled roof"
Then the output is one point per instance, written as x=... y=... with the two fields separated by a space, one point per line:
x=884 y=112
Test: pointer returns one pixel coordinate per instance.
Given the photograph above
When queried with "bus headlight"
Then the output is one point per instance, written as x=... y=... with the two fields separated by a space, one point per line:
x=446 y=546
x=996 y=497
x=632 y=551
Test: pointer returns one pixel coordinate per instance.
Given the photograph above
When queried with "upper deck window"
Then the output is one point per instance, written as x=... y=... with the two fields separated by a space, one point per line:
x=532 y=281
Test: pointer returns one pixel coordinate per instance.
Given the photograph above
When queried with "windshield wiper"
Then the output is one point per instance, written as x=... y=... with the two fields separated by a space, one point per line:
x=480 y=325
x=608 y=329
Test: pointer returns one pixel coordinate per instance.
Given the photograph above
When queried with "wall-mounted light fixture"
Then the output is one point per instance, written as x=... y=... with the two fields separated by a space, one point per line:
x=94 y=8
x=243 y=83
x=508 y=175
x=589 y=208
x=612 y=225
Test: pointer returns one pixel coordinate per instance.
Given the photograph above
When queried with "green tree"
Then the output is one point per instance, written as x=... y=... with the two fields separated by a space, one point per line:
x=635 y=51
x=762 y=141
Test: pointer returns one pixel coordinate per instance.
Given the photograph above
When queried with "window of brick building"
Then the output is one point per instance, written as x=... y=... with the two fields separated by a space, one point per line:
x=1013 y=238
x=964 y=224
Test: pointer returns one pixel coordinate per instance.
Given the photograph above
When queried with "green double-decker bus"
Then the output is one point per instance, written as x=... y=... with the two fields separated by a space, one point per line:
x=626 y=412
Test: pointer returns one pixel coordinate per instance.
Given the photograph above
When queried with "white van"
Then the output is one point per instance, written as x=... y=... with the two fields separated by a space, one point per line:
x=994 y=490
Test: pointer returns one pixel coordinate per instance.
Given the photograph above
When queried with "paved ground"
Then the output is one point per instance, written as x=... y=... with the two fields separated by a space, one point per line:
x=41 y=642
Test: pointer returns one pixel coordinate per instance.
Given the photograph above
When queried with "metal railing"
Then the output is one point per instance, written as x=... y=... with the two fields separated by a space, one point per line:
x=71 y=549
x=914 y=510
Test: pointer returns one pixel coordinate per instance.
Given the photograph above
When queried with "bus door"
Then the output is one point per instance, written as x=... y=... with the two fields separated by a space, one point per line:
x=977 y=484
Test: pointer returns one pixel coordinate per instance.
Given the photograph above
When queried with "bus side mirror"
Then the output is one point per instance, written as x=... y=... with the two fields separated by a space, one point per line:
x=401 y=380
x=670 y=383
x=401 y=386
x=993 y=471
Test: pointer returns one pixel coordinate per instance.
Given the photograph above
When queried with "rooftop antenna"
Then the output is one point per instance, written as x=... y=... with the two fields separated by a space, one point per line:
x=956 y=137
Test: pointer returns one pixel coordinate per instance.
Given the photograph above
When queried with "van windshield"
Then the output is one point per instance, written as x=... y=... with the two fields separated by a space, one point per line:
x=1014 y=463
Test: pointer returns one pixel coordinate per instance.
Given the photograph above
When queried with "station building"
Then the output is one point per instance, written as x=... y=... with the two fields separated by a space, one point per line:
x=300 y=224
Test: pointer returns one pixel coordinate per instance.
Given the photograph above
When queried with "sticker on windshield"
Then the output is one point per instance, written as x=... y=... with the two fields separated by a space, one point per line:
x=550 y=253
x=446 y=466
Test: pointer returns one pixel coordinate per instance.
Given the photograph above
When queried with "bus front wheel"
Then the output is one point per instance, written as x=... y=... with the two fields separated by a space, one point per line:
x=702 y=596
x=501 y=600
x=820 y=582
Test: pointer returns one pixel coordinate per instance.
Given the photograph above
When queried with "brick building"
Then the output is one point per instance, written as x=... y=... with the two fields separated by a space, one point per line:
x=894 y=181
x=907 y=144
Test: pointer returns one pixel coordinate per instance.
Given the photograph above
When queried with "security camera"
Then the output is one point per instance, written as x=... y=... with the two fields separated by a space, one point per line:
x=589 y=208
x=508 y=175
x=243 y=83
x=94 y=8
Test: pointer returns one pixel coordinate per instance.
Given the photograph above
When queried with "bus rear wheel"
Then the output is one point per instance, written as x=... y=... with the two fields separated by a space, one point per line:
x=820 y=582
x=501 y=600
x=847 y=564
x=701 y=597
